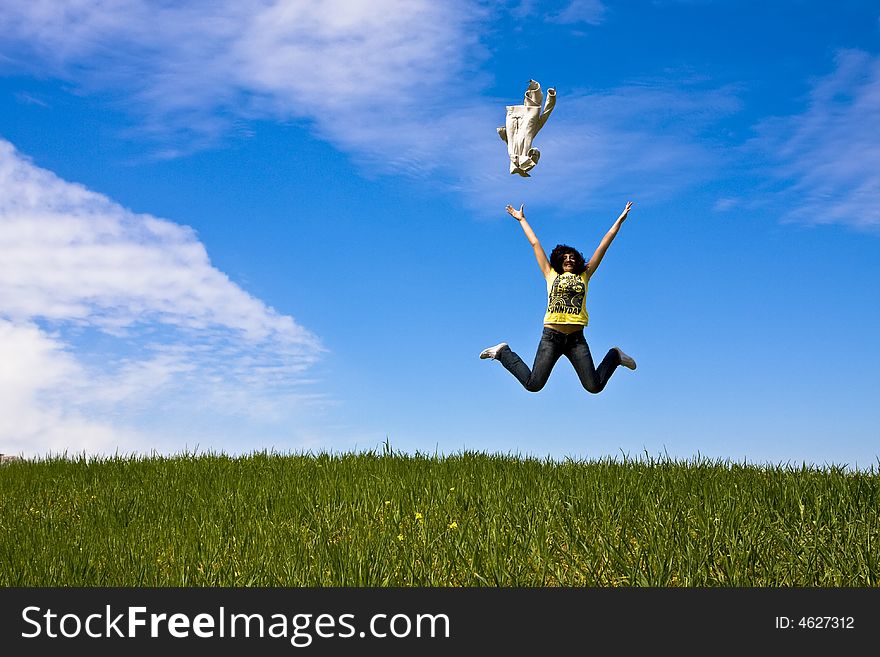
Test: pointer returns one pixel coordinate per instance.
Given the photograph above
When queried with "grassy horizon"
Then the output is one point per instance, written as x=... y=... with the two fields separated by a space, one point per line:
x=469 y=519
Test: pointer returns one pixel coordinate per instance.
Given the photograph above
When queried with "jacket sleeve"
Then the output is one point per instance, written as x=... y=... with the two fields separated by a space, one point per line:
x=548 y=107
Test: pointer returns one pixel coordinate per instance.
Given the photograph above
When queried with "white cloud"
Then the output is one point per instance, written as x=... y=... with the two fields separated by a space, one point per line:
x=642 y=142
x=391 y=82
x=34 y=367
x=827 y=158
x=73 y=254
x=111 y=314
x=186 y=65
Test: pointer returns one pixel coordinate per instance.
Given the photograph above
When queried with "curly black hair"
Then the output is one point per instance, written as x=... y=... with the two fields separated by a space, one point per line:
x=580 y=265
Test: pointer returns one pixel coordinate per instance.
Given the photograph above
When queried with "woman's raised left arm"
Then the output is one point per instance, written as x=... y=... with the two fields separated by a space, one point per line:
x=593 y=264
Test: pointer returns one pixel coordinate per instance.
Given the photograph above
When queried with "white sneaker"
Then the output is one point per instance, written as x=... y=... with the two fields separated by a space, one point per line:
x=626 y=361
x=492 y=352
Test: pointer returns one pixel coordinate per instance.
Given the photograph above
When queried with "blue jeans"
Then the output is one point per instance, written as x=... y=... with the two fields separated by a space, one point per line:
x=553 y=345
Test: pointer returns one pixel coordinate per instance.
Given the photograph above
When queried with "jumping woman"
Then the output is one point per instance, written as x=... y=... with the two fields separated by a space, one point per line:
x=567 y=276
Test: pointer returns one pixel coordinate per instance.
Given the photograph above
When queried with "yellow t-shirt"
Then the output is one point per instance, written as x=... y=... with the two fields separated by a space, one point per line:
x=567 y=298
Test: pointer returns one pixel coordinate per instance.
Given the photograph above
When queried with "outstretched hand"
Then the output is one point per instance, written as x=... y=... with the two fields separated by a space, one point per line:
x=519 y=215
x=625 y=211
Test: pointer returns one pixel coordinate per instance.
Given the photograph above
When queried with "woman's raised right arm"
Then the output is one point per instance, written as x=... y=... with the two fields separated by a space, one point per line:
x=540 y=256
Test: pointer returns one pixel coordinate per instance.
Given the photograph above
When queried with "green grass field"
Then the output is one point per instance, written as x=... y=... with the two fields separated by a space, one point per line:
x=470 y=519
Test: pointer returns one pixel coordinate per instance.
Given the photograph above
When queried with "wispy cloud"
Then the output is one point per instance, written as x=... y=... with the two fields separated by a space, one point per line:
x=570 y=12
x=111 y=314
x=194 y=66
x=591 y=12
x=646 y=140
x=827 y=159
x=393 y=83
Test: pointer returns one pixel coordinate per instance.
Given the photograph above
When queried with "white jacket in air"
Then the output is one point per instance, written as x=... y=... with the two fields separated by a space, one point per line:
x=522 y=124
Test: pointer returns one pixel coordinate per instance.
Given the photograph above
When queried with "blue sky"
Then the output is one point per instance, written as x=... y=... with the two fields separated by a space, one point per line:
x=280 y=225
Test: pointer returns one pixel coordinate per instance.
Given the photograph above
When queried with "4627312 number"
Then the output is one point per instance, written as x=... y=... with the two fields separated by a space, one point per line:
x=816 y=622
